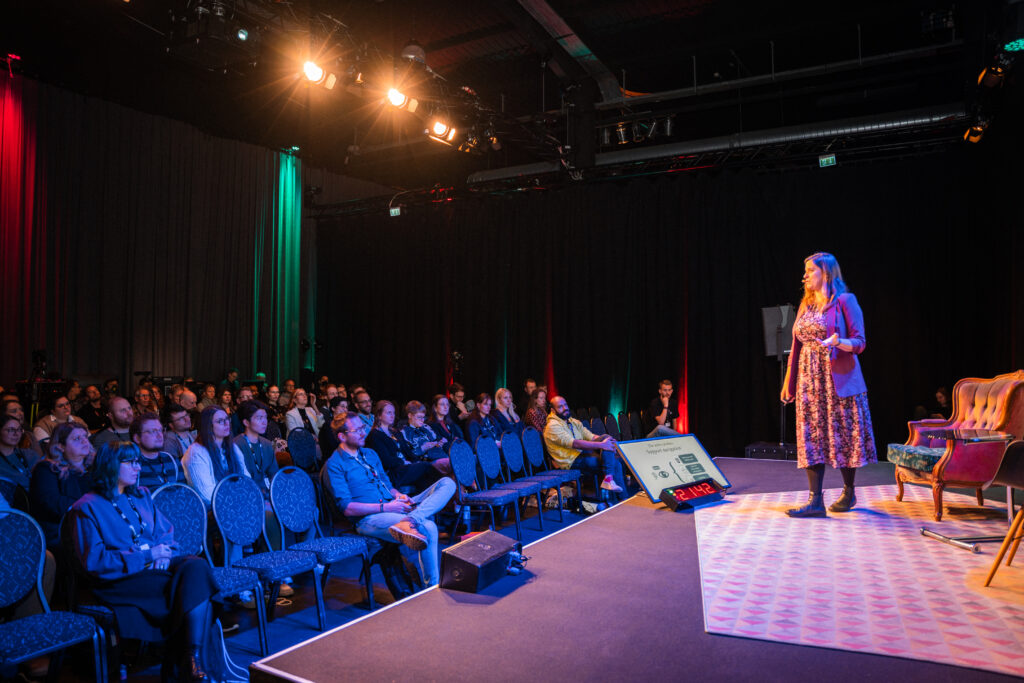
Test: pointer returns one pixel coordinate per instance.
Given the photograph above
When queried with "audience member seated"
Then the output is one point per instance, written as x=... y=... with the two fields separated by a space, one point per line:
x=942 y=409
x=529 y=386
x=364 y=407
x=75 y=395
x=179 y=435
x=456 y=399
x=157 y=467
x=441 y=420
x=273 y=402
x=143 y=402
x=61 y=479
x=92 y=411
x=330 y=392
x=257 y=451
x=209 y=397
x=537 y=410
x=327 y=438
x=188 y=402
x=120 y=416
x=226 y=401
x=661 y=414
x=127 y=548
x=244 y=394
x=212 y=457
x=287 y=389
x=388 y=446
x=301 y=415
x=362 y=491
x=28 y=440
x=480 y=422
x=61 y=414
x=504 y=415
x=229 y=383
x=421 y=443
x=573 y=446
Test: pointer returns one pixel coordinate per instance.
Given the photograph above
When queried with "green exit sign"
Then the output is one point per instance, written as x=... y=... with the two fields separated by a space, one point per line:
x=396 y=211
x=826 y=160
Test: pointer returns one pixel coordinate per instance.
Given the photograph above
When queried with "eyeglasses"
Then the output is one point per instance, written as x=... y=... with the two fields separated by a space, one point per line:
x=13 y=430
x=152 y=432
x=222 y=421
x=132 y=462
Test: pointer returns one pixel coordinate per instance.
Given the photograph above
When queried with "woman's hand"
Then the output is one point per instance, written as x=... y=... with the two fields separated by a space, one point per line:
x=830 y=341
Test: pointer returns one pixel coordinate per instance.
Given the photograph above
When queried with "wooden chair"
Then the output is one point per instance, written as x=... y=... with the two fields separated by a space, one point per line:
x=995 y=404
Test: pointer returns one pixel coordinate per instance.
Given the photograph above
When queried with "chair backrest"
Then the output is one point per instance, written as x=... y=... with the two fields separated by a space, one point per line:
x=533 y=447
x=512 y=452
x=16 y=496
x=489 y=458
x=611 y=427
x=294 y=499
x=594 y=414
x=334 y=518
x=581 y=414
x=596 y=426
x=634 y=425
x=238 y=509
x=463 y=462
x=624 y=430
x=996 y=403
x=21 y=563
x=185 y=509
x=302 y=447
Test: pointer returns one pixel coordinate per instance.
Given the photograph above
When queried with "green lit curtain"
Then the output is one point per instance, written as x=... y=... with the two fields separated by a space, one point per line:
x=286 y=261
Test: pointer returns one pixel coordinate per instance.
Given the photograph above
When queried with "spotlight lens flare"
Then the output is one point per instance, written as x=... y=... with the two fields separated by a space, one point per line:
x=396 y=98
x=313 y=72
x=243 y=35
x=439 y=128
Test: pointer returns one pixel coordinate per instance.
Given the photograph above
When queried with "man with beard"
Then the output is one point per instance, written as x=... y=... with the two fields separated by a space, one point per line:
x=119 y=414
x=157 y=466
x=573 y=446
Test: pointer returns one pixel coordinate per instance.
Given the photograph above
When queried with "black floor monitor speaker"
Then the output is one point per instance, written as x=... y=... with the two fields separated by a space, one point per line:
x=476 y=562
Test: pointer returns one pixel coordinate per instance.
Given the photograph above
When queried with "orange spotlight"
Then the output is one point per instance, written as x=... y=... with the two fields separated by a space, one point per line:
x=397 y=99
x=313 y=72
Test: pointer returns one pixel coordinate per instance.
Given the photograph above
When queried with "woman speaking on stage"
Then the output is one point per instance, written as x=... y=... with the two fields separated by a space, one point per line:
x=833 y=422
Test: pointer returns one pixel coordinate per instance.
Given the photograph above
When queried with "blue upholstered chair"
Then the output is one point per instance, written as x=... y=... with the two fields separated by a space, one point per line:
x=238 y=510
x=15 y=496
x=294 y=498
x=611 y=427
x=512 y=453
x=534 y=449
x=302 y=448
x=624 y=428
x=489 y=457
x=21 y=571
x=597 y=426
x=185 y=509
x=635 y=425
x=463 y=462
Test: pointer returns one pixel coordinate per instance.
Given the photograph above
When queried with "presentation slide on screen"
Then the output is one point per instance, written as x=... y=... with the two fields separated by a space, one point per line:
x=669 y=461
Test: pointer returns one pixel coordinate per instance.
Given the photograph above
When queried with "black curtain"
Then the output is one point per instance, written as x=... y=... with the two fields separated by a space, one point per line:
x=651 y=277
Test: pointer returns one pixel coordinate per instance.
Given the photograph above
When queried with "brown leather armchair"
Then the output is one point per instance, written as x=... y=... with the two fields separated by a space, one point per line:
x=995 y=404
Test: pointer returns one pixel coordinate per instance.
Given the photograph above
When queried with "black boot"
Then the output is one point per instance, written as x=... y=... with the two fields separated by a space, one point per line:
x=845 y=502
x=815 y=507
x=191 y=667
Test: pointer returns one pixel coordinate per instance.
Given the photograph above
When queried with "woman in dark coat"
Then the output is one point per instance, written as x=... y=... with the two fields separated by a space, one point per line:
x=126 y=546
x=62 y=479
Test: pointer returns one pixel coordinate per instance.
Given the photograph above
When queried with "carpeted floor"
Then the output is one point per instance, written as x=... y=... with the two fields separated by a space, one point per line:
x=865 y=581
x=615 y=597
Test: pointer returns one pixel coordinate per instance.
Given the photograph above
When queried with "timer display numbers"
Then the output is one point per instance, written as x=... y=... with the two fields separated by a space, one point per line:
x=691 y=495
x=693 y=491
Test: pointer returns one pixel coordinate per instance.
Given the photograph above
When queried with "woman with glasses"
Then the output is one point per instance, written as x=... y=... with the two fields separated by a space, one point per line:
x=212 y=457
x=127 y=549
x=386 y=443
x=61 y=414
x=16 y=463
x=61 y=479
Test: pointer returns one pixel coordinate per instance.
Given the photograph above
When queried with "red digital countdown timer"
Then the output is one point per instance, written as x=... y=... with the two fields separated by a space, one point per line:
x=691 y=495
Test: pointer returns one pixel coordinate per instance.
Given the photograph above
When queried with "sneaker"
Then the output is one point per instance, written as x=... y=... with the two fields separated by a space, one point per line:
x=247 y=600
x=609 y=485
x=285 y=591
x=405 y=533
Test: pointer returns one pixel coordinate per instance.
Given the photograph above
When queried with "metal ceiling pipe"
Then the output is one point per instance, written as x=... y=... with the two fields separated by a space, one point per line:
x=877 y=123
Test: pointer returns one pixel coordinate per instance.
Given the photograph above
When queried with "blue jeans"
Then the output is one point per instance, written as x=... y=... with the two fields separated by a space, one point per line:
x=605 y=462
x=428 y=503
x=662 y=430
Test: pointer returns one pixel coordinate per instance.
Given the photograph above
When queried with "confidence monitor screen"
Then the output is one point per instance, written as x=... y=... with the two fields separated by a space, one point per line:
x=669 y=461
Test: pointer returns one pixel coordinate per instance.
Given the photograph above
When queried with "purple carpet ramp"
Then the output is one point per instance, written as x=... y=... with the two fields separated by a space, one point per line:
x=865 y=581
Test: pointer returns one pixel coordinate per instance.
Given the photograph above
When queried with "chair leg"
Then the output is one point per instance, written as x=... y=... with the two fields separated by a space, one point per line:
x=540 y=511
x=561 y=506
x=981 y=498
x=367 y=572
x=261 y=620
x=321 y=611
x=458 y=520
x=1015 y=527
x=99 y=653
x=275 y=589
x=899 y=486
x=519 y=531
x=1016 y=544
x=54 y=666
x=937 y=497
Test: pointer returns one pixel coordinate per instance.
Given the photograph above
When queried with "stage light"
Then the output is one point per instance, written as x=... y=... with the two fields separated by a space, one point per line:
x=669 y=125
x=993 y=76
x=606 y=136
x=414 y=52
x=620 y=133
x=976 y=131
x=396 y=98
x=441 y=131
x=313 y=72
x=242 y=34
x=439 y=128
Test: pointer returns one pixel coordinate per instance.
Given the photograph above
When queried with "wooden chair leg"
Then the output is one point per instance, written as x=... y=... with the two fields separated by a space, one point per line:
x=1016 y=544
x=937 y=496
x=1013 y=531
x=899 y=486
x=981 y=498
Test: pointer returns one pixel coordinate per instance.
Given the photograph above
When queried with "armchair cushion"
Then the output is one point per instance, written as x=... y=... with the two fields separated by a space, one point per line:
x=920 y=458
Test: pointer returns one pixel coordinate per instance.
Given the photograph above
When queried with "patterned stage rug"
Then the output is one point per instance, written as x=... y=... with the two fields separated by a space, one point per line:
x=866 y=580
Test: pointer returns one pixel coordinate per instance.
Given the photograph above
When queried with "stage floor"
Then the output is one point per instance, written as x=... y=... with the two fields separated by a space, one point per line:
x=615 y=596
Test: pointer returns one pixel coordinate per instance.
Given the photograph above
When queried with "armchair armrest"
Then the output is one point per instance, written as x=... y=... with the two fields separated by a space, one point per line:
x=971 y=463
x=917 y=439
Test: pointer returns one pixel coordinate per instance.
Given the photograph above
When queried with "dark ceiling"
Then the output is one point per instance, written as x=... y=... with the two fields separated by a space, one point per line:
x=550 y=80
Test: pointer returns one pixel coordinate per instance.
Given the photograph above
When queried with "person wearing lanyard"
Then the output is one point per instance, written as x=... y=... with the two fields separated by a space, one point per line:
x=362 y=491
x=179 y=435
x=127 y=549
x=573 y=446
x=157 y=466
x=15 y=463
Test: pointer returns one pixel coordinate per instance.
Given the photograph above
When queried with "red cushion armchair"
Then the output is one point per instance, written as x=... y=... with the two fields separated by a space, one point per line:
x=995 y=404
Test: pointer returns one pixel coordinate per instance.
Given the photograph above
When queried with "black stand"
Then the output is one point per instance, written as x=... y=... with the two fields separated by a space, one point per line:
x=778 y=325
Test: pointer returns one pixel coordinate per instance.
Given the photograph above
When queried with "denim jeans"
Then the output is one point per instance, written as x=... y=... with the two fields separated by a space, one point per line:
x=428 y=503
x=662 y=430
x=605 y=462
